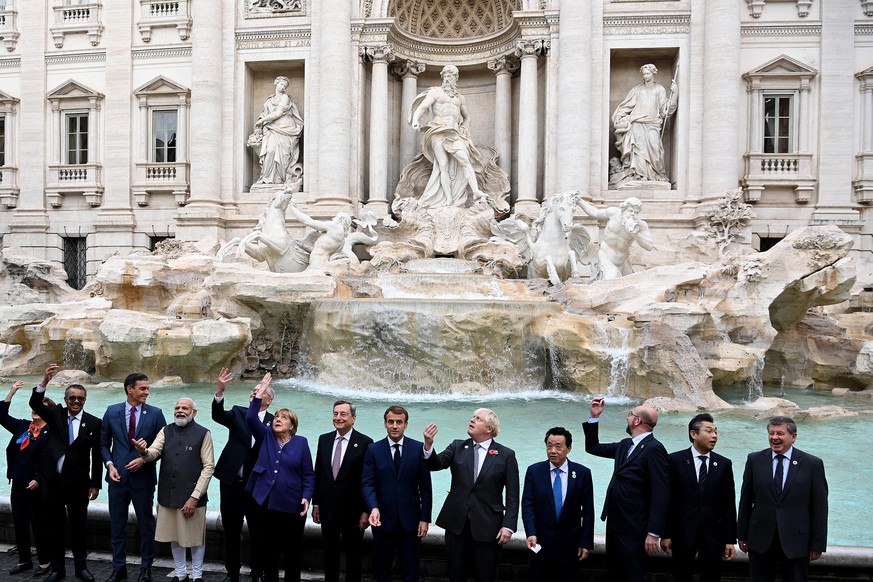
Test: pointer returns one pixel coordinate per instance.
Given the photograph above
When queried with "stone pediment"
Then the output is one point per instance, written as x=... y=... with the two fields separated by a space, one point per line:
x=865 y=74
x=161 y=85
x=73 y=90
x=782 y=66
x=5 y=98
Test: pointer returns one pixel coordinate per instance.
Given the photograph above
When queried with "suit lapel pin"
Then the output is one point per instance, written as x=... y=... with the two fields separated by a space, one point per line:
x=492 y=451
x=715 y=463
x=466 y=446
x=642 y=446
x=792 y=462
x=355 y=445
x=573 y=474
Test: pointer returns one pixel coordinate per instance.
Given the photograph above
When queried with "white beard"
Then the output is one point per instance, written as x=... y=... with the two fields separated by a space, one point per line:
x=630 y=224
x=182 y=422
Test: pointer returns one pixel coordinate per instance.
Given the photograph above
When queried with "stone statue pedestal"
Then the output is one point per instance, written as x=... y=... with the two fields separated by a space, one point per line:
x=644 y=185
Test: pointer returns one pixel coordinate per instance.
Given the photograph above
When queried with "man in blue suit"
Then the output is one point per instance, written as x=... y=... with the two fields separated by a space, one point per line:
x=397 y=491
x=557 y=509
x=130 y=478
x=637 y=495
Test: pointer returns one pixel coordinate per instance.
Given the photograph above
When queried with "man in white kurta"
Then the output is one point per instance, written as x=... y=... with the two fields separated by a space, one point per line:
x=187 y=463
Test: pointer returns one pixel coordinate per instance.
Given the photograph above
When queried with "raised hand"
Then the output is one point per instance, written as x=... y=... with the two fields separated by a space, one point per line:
x=223 y=378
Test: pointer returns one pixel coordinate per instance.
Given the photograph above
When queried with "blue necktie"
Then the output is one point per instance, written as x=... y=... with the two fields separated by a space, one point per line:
x=558 y=492
x=70 y=423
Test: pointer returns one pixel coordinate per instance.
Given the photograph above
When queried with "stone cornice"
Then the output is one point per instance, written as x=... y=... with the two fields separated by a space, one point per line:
x=662 y=24
x=777 y=29
x=12 y=63
x=273 y=38
x=863 y=28
x=161 y=52
x=76 y=57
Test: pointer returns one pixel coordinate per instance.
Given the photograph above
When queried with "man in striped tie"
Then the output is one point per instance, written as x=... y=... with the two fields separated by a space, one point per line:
x=702 y=521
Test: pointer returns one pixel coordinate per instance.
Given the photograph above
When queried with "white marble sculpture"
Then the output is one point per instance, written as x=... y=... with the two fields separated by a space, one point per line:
x=336 y=237
x=277 y=136
x=639 y=122
x=623 y=227
x=449 y=194
x=270 y=241
x=552 y=246
x=457 y=172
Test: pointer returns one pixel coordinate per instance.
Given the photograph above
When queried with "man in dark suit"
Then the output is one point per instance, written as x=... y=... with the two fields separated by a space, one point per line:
x=783 y=515
x=557 y=508
x=476 y=518
x=397 y=490
x=338 y=504
x=130 y=479
x=702 y=520
x=233 y=470
x=638 y=493
x=71 y=469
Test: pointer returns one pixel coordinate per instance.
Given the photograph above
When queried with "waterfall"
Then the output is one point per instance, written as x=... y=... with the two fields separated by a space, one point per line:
x=619 y=364
x=755 y=383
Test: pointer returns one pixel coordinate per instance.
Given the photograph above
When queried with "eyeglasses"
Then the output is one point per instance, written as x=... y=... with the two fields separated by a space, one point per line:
x=76 y=398
x=631 y=413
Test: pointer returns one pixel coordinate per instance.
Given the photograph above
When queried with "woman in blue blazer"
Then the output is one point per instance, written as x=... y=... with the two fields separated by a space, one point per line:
x=29 y=438
x=281 y=483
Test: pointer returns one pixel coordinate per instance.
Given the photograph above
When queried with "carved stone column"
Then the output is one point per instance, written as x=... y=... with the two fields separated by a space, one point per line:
x=379 y=56
x=721 y=121
x=503 y=69
x=408 y=72
x=334 y=69
x=528 y=130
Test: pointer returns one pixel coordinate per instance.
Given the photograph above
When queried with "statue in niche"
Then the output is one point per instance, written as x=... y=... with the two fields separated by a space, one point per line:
x=623 y=227
x=277 y=136
x=639 y=122
x=458 y=173
x=450 y=193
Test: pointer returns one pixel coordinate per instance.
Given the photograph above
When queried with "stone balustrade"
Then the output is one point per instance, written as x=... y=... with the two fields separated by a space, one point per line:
x=76 y=19
x=152 y=177
x=164 y=14
x=789 y=169
x=9 y=28
x=85 y=179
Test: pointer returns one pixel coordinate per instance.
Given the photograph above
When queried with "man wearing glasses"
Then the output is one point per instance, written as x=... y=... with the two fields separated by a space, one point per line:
x=71 y=470
x=638 y=494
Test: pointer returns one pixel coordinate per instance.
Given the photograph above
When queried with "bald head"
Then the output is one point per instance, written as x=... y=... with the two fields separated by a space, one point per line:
x=640 y=420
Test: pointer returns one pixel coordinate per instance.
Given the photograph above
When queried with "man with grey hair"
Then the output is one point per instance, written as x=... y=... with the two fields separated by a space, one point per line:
x=232 y=471
x=623 y=227
x=782 y=521
x=187 y=464
x=338 y=502
x=638 y=122
x=476 y=516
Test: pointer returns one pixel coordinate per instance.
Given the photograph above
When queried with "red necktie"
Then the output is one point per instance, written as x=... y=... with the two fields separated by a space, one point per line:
x=131 y=428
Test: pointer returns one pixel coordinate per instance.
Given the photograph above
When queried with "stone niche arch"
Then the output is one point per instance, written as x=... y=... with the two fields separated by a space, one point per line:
x=451 y=31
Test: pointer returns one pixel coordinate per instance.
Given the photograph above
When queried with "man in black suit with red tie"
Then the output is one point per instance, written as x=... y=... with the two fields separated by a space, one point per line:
x=232 y=471
x=783 y=515
x=702 y=521
x=72 y=470
x=638 y=494
x=475 y=516
x=338 y=503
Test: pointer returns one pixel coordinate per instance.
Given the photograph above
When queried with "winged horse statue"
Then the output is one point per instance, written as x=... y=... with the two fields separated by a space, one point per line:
x=553 y=247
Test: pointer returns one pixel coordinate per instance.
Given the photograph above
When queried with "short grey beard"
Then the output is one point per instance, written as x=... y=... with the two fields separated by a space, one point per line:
x=183 y=422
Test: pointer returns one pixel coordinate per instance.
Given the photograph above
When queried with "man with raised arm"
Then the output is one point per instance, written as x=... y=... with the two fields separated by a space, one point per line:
x=232 y=471
x=476 y=516
x=635 y=509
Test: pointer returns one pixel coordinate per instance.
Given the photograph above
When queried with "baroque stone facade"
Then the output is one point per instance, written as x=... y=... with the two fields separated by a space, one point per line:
x=124 y=123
